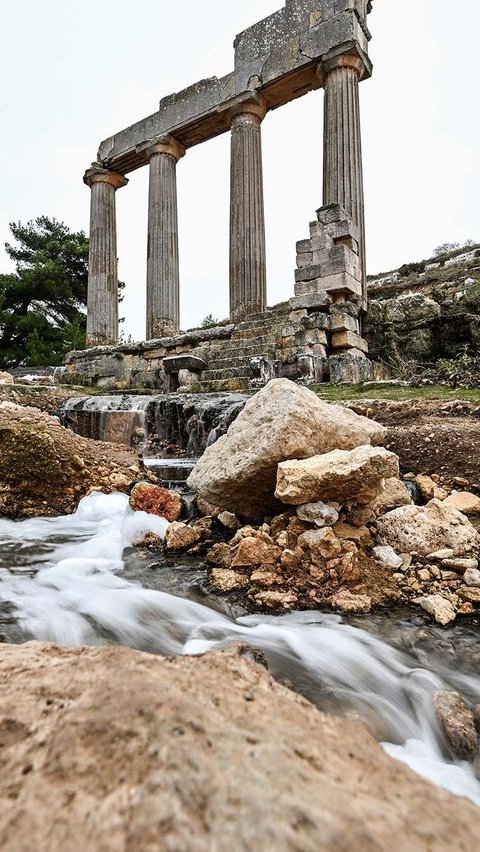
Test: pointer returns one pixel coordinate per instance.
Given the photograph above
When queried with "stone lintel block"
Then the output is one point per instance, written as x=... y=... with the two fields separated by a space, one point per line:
x=310 y=337
x=304 y=246
x=350 y=368
x=297 y=316
x=341 y=283
x=175 y=363
x=351 y=309
x=305 y=260
x=322 y=242
x=308 y=274
x=310 y=301
x=331 y=213
x=344 y=322
x=316 y=320
x=349 y=340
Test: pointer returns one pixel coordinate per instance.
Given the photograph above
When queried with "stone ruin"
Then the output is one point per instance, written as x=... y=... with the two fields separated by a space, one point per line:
x=317 y=336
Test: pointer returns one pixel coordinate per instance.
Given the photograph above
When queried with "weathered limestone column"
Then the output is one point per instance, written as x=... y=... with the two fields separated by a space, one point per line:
x=163 y=274
x=342 y=157
x=248 y=271
x=102 y=301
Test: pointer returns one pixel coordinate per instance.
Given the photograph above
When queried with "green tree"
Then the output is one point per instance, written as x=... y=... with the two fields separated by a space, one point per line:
x=43 y=303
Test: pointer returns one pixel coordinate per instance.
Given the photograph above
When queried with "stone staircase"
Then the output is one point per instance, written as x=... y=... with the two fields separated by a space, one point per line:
x=256 y=336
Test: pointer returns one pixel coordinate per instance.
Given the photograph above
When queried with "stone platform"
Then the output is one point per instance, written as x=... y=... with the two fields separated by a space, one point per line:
x=293 y=340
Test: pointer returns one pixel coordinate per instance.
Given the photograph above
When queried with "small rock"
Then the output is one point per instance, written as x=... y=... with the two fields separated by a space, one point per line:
x=6 y=379
x=469 y=594
x=225 y=580
x=472 y=577
x=460 y=564
x=220 y=554
x=465 y=502
x=279 y=601
x=254 y=551
x=393 y=494
x=323 y=543
x=424 y=575
x=440 y=493
x=348 y=532
x=426 y=485
x=347 y=602
x=437 y=606
x=440 y=555
x=181 y=536
x=320 y=514
x=229 y=521
x=387 y=555
x=154 y=500
x=457 y=721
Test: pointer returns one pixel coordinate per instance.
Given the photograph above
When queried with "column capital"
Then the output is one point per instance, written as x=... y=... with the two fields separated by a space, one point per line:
x=98 y=174
x=353 y=58
x=167 y=145
x=256 y=106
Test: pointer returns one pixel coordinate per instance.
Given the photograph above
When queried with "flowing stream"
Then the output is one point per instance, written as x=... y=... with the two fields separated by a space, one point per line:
x=74 y=580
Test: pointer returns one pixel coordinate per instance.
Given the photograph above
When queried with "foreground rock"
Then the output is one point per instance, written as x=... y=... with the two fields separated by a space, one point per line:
x=458 y=723
x=425 y=529
x=122 y=750
x=46 y=469
x=283 y=421
x=346 y=476
x=154 y=500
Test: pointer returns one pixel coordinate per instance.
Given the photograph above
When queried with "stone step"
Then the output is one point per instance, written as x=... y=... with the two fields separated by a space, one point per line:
x=225 y=373
x=240 y=383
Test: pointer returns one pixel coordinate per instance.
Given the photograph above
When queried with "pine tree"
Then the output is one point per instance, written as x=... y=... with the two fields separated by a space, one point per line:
x=43 y=303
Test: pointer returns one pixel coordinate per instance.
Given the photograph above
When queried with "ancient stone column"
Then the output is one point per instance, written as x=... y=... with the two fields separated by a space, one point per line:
x=248 y=276
x=342 y=158
x=163 y=274
x=102 y=302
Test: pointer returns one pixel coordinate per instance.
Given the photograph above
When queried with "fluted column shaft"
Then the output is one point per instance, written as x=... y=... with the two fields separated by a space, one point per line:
x=342 y=160
x=248 y=271
x=102 y=300
x=163 y=272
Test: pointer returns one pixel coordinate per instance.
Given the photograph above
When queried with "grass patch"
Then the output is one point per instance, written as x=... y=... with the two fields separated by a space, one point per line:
x=334 y=393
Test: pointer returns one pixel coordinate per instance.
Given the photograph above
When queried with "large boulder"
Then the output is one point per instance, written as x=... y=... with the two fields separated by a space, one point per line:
x=283 y=421
x=427 y=529
x=346 y=476
x=106 y=749
x=46 y=469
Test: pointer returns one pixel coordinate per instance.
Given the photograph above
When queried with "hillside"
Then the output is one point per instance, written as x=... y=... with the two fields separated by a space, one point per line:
x=426 y=311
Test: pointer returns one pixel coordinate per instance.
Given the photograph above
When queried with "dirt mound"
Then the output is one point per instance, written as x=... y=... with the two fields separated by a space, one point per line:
x=107 y=749
x=46 y=469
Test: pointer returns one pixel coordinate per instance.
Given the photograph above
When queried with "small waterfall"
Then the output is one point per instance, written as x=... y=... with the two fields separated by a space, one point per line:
x=156 y=425
x=117 y=419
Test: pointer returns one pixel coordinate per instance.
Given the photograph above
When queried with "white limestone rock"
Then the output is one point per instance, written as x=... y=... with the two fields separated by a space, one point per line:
x=393 y=494
x=472 y=578
x=320 y=514
x=346 y=476
x=438 y=607
x=387 y=555
x=282 y=421
x=426 y=529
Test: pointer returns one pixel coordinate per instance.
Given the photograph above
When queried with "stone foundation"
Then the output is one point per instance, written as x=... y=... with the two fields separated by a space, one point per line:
x=280 y=342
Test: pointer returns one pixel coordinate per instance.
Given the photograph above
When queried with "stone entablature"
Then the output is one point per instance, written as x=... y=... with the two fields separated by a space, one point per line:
x=306 y=45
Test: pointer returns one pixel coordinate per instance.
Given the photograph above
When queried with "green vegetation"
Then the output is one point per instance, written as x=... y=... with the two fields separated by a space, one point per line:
x=338 y=393
x=209 y=322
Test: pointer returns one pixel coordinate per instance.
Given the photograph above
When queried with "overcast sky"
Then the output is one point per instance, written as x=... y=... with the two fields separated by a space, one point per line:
x=75 y=71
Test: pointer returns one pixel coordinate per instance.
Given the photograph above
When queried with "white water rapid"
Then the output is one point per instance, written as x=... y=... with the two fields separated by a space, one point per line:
x=60 y=577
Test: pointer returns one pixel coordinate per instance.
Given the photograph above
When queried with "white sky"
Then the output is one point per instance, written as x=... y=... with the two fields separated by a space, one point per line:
x=75 y=71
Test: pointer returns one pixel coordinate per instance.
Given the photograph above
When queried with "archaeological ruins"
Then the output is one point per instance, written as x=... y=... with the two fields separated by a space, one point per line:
x=316 y=337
